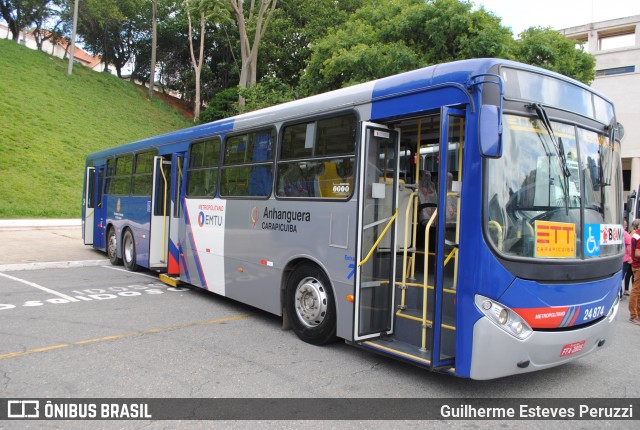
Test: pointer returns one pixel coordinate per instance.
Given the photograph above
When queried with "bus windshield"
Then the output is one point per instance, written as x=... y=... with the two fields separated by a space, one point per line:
x=553 y=193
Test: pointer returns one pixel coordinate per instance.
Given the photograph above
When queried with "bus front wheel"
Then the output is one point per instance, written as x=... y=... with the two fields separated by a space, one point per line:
x=112 y=247
x=310 y=305
x=129 y=251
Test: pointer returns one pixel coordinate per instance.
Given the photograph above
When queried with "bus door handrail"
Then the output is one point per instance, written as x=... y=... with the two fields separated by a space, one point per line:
x=425 y=321
x=375 y=245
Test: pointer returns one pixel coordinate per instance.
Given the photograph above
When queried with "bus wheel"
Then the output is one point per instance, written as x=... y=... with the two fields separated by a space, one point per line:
x=112 y=247
x=129 y=251
x=310 y=305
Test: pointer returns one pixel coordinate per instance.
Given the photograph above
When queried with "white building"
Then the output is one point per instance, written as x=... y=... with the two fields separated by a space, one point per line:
x=616 y=47
x=57 y=48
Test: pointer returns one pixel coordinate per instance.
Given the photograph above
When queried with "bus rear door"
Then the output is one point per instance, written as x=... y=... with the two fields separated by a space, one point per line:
x=177 y=194
x=160 y=213
x=88 y=219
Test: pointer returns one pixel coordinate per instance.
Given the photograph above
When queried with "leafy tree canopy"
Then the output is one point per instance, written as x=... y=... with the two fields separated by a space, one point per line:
x=383 y=38
x=545 y=47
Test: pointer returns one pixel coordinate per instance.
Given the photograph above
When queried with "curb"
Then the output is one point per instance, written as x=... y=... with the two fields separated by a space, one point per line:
x=21 y=224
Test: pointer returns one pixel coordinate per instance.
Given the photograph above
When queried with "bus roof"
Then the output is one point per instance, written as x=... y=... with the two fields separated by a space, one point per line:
x=457 y=72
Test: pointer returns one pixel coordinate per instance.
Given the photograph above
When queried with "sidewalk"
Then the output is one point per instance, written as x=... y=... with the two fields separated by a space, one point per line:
x=27 y=244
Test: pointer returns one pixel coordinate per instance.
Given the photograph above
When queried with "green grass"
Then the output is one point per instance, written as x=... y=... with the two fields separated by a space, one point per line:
x=50 y=121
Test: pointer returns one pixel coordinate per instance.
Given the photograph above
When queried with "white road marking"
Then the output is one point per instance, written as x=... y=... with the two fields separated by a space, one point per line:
x=50 y=265
x=40 y=287
x=130 y=272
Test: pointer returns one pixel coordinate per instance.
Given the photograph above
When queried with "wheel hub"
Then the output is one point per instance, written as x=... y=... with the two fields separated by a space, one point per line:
x=112 y=245
x=311 y=302
x=128 y=250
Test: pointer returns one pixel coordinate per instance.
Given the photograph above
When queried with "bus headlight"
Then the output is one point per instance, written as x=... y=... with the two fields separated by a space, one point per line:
x=503 y=317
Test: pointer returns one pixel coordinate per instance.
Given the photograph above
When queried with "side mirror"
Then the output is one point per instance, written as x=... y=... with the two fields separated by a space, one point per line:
x=490 y=131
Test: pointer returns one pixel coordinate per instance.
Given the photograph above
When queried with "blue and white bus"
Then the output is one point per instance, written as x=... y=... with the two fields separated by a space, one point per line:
x=464 y=217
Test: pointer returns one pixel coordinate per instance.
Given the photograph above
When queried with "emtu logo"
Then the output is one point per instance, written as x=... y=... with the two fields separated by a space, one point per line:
x=255 y=216
x=201 y=219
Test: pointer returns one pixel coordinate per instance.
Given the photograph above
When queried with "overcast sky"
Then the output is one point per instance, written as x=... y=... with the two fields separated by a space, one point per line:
x=557 y=14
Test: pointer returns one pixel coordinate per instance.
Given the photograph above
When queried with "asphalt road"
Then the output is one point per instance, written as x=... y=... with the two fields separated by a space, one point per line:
x=97 y=331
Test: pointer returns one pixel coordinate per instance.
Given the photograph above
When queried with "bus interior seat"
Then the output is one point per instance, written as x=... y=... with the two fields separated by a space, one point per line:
x=327 y=178
x=293 y=183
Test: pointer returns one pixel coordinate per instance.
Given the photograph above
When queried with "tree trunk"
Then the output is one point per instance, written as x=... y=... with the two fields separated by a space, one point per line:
x=154 y=37
x=197 y=64
x=5 y=12
x=248 y=51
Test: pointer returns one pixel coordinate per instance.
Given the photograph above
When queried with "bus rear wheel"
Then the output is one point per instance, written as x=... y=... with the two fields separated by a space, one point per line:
x=310 y=305
x=112 y=247
x=129 y=251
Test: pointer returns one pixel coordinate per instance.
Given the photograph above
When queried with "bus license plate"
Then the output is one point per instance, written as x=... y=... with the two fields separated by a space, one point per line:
x=572 y=348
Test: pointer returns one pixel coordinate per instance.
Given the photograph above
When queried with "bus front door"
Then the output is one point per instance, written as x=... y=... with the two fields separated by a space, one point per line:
x=160 y=205
x=443 y=314
x=377 y=211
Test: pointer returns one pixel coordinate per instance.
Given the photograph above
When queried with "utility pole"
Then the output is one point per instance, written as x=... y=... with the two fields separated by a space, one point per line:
x=73 y=37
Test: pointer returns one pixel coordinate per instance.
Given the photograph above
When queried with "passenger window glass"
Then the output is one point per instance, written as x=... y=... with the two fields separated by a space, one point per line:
x=143 y=174
x=202 y=174
x=317 y=159
x=247 y=169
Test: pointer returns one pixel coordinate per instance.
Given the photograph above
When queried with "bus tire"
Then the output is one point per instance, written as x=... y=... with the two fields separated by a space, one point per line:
x=112 y=247
x=310 y=305
x=129 y=251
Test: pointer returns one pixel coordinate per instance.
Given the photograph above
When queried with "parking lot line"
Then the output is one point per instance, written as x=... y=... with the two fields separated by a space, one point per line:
x=123 y=336
x=40 y=287
x=130 y=272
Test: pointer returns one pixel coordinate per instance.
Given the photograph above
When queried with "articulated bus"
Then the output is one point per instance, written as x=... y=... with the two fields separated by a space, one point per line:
x=464 y=217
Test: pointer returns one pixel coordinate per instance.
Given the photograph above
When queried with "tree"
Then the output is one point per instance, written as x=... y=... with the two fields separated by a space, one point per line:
x=294 y=26
x=383 y=38
x=268 y=92
x=545 y=47
x=205 y=10
x=110 y=28
x=19 y=14
x=256 y=22
x=197 y=64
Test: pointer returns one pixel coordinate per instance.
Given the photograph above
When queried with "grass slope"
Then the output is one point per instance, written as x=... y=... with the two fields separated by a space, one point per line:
x=50 y=121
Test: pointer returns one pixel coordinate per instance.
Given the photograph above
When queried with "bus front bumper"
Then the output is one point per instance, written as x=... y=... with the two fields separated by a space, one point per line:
x=496 y=353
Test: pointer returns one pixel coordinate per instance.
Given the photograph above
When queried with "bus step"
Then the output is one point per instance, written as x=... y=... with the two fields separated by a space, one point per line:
x=399 y=349
x=169 y=280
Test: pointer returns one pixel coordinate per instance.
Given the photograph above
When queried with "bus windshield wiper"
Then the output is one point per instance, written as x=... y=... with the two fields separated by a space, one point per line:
x=559 y=147
x=606 y=180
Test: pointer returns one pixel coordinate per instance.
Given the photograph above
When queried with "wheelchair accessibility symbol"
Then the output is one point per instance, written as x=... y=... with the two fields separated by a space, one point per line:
x=592 y=240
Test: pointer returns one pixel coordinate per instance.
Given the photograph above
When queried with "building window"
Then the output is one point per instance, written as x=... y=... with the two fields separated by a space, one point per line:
x=621 y=38
x=616 y=71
